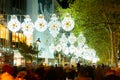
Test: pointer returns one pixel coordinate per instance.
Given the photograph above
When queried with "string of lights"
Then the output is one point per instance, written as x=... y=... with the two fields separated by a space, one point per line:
x=27 y=26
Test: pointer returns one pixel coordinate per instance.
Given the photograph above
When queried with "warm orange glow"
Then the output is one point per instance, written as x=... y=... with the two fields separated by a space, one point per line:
x=68 y=24
x=18 y=37
x=14 y=25
x=29 y=40
x=54 y=27
x=41 y=25
x=4 y=33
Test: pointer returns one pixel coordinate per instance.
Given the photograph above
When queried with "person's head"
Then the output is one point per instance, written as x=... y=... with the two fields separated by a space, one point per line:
x=21 y=74
x=7 y=68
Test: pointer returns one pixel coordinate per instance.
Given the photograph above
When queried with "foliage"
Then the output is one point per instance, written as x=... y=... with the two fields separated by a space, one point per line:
x=97 y=19
x=28 y=51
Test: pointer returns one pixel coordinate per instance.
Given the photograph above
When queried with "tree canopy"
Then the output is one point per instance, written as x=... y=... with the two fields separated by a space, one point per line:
x=29 y=52
x=98 y=20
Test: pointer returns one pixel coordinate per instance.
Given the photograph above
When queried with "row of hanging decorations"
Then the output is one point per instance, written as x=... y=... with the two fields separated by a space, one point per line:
x=54 y=25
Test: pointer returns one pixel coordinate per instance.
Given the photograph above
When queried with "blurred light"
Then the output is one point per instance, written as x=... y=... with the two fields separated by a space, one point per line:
x=14 y=24
x=72 y=39
x=54 y=26
x=40 y=23
x=72 y=49
x=65 y=50
x=63 y=40
x=38 y=41
x=58 y=47
x=67 y=23
x=27 y=26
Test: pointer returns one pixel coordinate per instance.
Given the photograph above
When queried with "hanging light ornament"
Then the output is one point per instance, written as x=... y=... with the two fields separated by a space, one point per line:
x=79 y=52
x=58 y=47
x=40 y=23
x=14 y=24
x=72 y=49
x=27 y=26
x=54 y=26
x=72 y=39
x=67 y=23
x=65 y=50
x=81 y=39
x=63 y=40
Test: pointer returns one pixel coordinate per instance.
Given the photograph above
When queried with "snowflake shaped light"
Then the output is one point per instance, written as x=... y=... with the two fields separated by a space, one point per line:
x=72 y=39
x=27 y=25
x=67 y=23
x=54 y=26
x=14 y=24
x=41 y=23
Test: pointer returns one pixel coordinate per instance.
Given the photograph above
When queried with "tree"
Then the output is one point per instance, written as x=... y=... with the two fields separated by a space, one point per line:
x=29 y=52
x=99 y=21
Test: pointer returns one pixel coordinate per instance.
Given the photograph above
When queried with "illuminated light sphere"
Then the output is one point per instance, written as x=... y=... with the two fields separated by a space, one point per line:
x=79 y=52
x=58 y=47
x=72 y=39
x=72 y=49
x=67 y=23
x=54 y=26
x=41 y=23
x=14 y=24
x=87 y=57
x=65 y=50
x=93 y=52
x=63 y=39
x=27 y=25
x=81 y=40
x=85 y=47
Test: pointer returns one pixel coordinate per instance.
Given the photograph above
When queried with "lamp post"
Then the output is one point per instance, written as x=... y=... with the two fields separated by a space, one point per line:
x=37 y=46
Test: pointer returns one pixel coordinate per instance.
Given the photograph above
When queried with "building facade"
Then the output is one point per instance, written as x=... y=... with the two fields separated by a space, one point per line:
x=9 y=39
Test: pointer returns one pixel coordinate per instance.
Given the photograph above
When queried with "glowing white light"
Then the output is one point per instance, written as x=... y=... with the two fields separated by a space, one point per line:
x=63 y=39
x=72 y=39
x=14 y=24
x=27 y=26
x=67 y=23
x=93 y=52
x=81 y=39
x=41 y=24
x=88 y=53
x=72 y=49
x=58 y=48
x=65 y=50
x=54 y=26
x=28 y=34
x=79 y=51
x=52 y=48
x=85 y=46
x=94 y=60
x=54 y=33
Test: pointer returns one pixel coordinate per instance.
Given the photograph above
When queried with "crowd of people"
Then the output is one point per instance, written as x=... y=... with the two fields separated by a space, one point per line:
x=66 y=72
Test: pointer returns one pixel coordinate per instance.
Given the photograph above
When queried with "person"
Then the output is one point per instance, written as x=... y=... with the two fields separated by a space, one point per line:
x=21 y=75
x=7 y=72
x=71 y=73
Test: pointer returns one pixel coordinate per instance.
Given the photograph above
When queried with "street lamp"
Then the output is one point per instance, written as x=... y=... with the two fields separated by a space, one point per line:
x=37 y=46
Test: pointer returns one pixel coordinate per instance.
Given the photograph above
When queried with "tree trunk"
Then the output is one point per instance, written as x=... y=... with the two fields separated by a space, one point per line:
x=114 y=50
x=111 y=43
